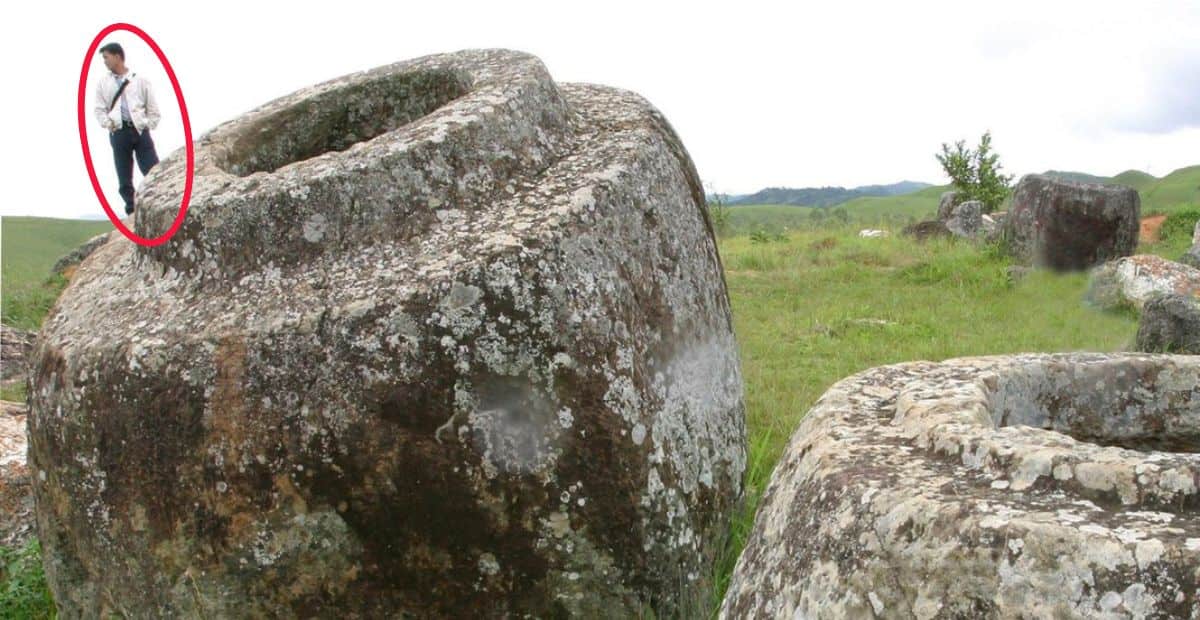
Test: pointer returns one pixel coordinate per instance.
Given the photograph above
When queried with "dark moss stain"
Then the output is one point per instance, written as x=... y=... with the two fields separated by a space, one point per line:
x=421 y=510
x=1073 y=238
x=146 y=444
x=612 y=469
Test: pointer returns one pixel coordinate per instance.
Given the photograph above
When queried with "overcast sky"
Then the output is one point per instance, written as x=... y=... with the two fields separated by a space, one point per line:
x=829 y=93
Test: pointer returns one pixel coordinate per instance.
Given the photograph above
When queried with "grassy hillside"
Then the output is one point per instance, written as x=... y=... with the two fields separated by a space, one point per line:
x=917 y=205
x=28 y=248
x=867 y=211
x=1178 y=190
x=748 y=218
x=1175 y=191
x=823 y=196
x=1135 y=178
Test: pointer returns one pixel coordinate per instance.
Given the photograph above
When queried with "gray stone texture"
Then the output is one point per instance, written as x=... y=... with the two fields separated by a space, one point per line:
x=946 y=204
x=966 y=220
x=1170 y=323
x=444 y=338
x=1029 y=486
x=1070 y=226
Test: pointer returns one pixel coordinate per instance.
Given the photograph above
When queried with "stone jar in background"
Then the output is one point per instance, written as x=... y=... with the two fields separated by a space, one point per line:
x=1070 y=226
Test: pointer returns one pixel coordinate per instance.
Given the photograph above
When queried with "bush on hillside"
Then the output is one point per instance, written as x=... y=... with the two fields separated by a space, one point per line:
x=975 y=173
x=1179 y=225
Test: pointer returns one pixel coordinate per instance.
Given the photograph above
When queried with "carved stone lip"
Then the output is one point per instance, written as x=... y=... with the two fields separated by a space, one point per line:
x=480 y=364
x=1060 y=420
x=366 y=156
x=1036 y=484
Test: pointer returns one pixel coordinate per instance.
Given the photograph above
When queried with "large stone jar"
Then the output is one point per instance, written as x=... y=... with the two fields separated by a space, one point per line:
x=442 y=338
x=1027 y=486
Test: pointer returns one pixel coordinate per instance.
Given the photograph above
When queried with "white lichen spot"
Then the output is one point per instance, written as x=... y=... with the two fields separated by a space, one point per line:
x=488 y=564
x=1110 y=601
x=876 y=602
x=1062 y=471
x=638 y=434
x=315 y=227
x=559 y=524
x=1147 y=552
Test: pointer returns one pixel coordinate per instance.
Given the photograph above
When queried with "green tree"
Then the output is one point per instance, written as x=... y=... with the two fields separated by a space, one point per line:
x=975 y=173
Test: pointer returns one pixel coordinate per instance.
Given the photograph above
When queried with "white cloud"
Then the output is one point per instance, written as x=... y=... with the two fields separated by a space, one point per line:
x=762 y=94
x=1171 y=97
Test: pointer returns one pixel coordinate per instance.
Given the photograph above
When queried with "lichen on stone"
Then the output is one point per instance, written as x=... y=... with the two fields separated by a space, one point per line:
x=442 y=338
x=1038 y=485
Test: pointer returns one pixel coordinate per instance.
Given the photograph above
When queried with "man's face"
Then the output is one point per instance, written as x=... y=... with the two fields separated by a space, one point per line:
x=111 y=61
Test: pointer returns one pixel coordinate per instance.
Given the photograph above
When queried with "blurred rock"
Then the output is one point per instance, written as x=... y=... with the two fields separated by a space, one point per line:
x=1065 y=226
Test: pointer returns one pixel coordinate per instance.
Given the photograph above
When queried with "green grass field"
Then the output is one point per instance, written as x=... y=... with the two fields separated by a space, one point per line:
x=824 y=304
x=28 y=248
x=920 y=205
x=810 y=307
x=866 y=212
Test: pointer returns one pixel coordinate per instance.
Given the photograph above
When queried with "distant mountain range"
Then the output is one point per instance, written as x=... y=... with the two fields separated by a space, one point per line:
x=821 y=196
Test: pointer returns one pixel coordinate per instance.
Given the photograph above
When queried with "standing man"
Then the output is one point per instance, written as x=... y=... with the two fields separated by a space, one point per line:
x=125 y=106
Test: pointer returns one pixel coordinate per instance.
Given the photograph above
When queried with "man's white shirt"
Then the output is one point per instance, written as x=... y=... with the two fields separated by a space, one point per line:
x=138 y=96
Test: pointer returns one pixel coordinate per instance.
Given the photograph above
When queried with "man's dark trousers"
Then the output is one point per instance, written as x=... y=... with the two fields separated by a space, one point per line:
x=127 y=142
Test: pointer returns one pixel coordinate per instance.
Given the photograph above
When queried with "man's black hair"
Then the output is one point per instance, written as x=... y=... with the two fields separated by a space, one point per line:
x=113 y=48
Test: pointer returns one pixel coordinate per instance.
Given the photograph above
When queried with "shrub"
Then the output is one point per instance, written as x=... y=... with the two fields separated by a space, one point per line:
x=1179 y=225
x=23 y=591
x=975 y=173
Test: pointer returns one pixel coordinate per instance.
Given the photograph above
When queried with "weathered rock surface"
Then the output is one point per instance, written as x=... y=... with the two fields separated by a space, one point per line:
x=931 y=229
x=1069 y=226
x=76 y=256
x=14 y=351
x=440 y=339
x=946 y=204
x=1031 y=486
x=966 y=219
x=1170 y=324
x=1132 y=280
x=1191 y=258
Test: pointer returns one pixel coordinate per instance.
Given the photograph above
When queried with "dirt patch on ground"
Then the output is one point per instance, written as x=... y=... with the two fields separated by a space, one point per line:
x=1149 y=230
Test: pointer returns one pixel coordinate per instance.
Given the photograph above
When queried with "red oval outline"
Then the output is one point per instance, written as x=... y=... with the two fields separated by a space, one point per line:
x=187 y=136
